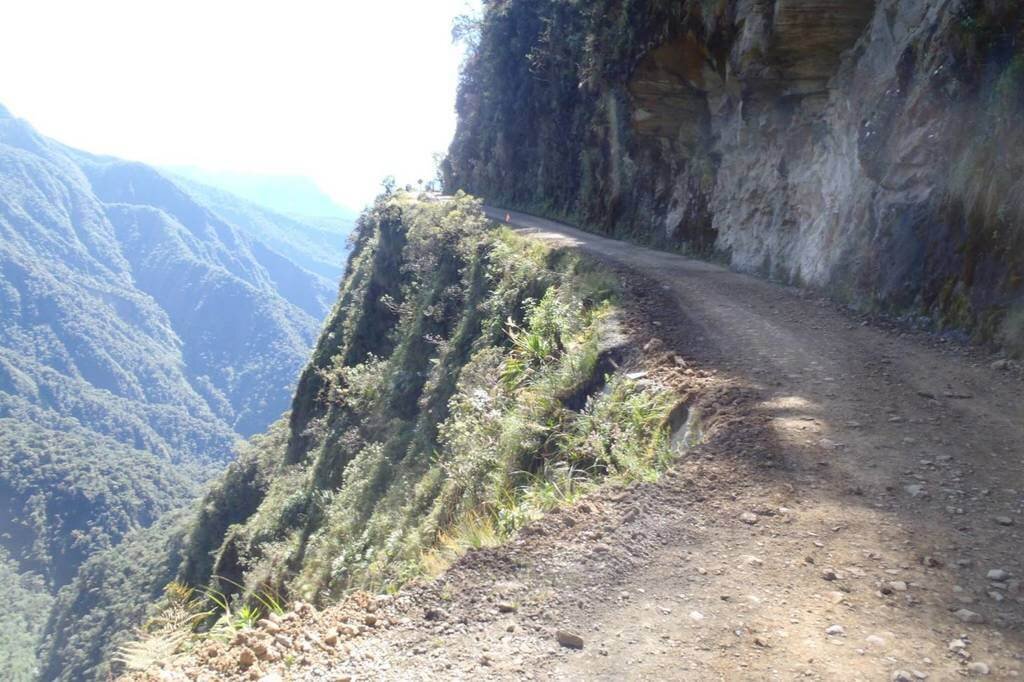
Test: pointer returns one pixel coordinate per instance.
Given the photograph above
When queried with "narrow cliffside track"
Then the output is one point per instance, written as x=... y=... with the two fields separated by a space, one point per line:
x=885 y=473
x=854 y=511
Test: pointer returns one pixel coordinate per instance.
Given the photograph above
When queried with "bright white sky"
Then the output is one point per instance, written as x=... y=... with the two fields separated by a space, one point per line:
x=342 y=91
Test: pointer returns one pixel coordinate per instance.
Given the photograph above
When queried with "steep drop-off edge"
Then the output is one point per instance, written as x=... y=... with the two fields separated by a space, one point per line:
x=468 y=381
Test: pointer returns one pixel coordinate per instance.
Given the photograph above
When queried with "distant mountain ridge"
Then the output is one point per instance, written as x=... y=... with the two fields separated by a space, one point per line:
x=316 y=243
x=146 y=324
x=288 y=195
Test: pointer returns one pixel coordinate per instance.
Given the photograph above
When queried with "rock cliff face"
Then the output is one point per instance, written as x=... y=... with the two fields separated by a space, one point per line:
x=860 y=147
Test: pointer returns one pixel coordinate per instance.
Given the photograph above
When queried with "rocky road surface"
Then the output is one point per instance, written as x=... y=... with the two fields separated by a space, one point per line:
x=854 y=511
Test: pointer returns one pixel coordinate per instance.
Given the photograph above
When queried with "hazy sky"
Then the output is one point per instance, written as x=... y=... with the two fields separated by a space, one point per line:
x=343 y=91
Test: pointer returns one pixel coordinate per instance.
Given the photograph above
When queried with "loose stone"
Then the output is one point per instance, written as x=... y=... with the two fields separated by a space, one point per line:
x=569 y=640
x=978 y=668
x=968 y=616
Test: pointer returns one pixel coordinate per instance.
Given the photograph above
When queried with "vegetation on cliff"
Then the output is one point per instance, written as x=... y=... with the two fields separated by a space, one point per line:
x=444 y=392
x=464 y=384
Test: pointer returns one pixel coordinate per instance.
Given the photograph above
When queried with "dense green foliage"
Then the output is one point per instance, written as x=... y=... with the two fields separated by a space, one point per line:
x=135 y=310
x=142 y=331
x=26 y=601
x=112 y=593
x=454 y=395
x=238 y=308
x=66 y=495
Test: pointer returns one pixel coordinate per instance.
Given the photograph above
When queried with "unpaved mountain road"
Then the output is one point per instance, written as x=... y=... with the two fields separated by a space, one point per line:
x=900 y=462
x=854 y=512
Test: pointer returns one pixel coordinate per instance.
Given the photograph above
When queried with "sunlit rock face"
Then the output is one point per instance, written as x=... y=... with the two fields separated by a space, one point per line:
x=785 y=155
x=861 y=147
x=795 y=45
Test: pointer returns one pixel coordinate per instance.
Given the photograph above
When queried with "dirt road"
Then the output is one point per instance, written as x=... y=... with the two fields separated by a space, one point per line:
x=855 y=512
x=901 y=465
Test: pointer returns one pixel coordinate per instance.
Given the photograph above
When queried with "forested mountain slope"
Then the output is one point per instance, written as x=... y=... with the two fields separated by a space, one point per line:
x=142 y=333
x=865 y=148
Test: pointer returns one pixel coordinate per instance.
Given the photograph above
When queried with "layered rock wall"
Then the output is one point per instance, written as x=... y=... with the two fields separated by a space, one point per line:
x=866 y=148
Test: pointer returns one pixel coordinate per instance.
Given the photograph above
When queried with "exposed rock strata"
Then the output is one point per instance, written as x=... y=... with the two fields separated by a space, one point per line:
x=855 y=146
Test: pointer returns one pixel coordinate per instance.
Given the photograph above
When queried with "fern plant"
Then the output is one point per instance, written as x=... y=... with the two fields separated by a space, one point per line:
x=162 y=639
